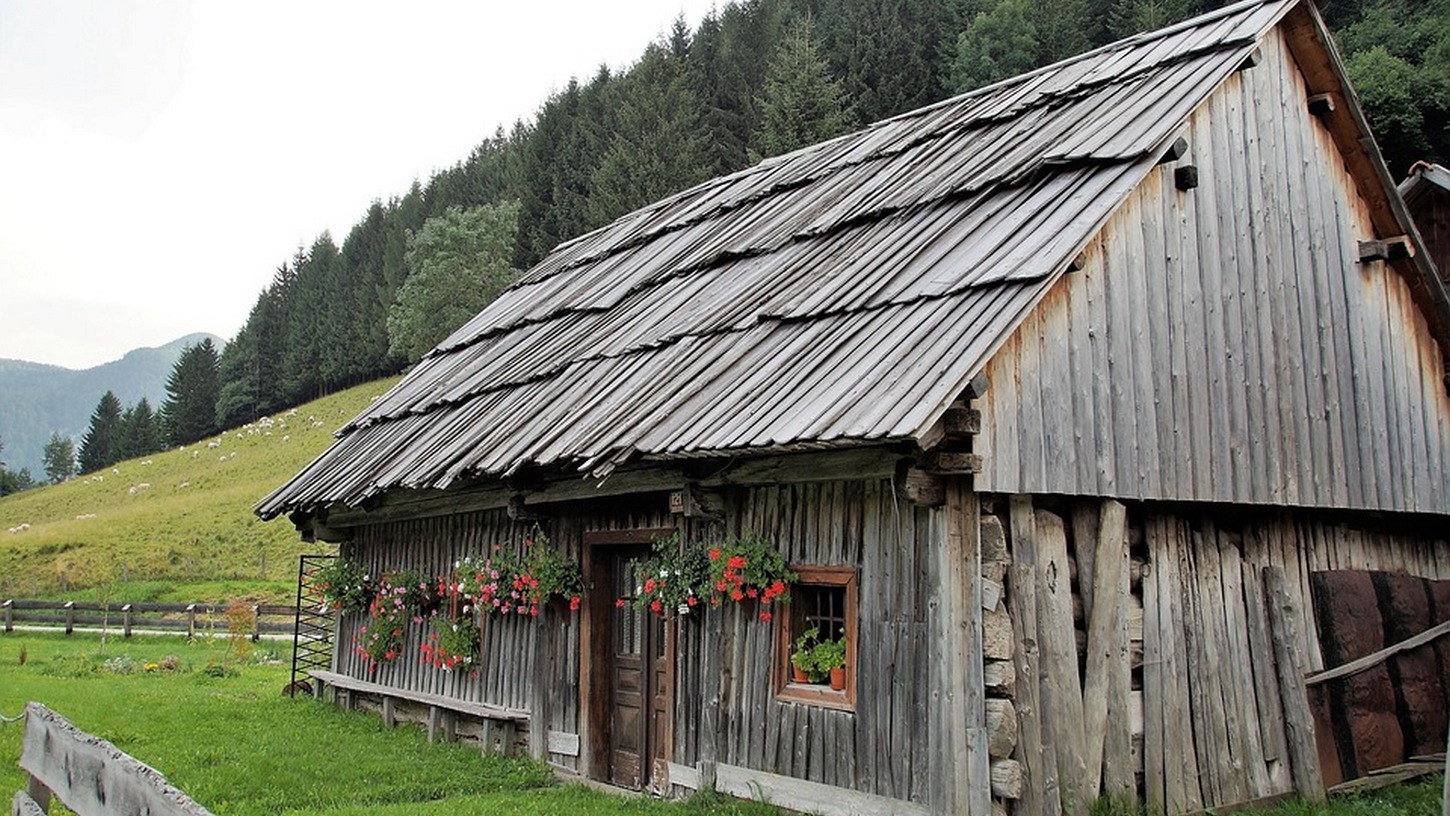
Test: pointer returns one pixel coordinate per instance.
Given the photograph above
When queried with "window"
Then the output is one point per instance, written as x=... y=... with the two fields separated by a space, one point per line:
x=823 y=598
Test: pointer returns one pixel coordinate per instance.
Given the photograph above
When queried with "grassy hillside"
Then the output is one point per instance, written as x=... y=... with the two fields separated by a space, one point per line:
x=174 y=526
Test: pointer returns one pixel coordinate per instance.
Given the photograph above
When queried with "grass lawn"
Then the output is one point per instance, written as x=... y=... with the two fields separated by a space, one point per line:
x=220 y=730
x=234 y=744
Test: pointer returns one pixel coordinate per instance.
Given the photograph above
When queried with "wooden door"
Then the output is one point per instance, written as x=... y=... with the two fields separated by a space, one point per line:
x=635 y=703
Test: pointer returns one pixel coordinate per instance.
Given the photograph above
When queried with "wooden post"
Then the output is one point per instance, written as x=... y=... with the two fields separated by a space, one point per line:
x=450 y=726
x=126 y=619
x=390 y=715
x=70 y=616
x=965 y=784
x=543 y=674
x=432 y=723
x=1035 y=755
x=191 y=620
x=1298 y=721
x=10 y=616
x=39 y=793
x=710 y=698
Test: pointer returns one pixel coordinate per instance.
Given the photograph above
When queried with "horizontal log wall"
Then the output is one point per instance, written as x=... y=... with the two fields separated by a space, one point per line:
x=1176 y=679
x=1225 y=343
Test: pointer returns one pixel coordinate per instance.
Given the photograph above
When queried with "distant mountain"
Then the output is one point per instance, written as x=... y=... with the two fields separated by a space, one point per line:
x=37 y=399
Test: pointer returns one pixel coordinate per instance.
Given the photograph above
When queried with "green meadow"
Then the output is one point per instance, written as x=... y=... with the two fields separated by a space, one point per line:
x=174 y=526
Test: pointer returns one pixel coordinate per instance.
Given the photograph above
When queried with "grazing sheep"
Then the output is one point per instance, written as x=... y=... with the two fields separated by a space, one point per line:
x=215 y=443
x=184 y=485
x=286 y=437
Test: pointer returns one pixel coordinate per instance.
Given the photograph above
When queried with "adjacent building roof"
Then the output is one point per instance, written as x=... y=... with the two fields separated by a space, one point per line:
x=841 y=294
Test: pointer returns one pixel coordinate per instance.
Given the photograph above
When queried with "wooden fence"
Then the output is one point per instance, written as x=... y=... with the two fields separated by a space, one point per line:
x=193 y=618
x=89 y=775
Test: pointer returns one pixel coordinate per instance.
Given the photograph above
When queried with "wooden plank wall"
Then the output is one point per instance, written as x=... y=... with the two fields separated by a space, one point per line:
x=723 y=670
x=881 y=747
x=1202 y=707
x=1224 y=344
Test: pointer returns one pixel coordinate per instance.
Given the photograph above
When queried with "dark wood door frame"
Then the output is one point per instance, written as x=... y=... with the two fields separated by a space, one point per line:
x=596 y=647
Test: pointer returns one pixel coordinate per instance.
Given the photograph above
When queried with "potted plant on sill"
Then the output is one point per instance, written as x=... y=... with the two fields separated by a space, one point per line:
x=830 y=658
x=803 y=658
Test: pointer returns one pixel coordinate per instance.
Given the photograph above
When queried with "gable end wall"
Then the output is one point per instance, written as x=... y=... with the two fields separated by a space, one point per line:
x=1225 y=344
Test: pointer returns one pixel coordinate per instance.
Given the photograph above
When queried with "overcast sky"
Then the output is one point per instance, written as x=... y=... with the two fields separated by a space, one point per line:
x=160 y=159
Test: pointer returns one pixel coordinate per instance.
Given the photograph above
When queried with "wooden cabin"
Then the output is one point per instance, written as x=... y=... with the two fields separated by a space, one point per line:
x=1426 y=192
x=1058 y=395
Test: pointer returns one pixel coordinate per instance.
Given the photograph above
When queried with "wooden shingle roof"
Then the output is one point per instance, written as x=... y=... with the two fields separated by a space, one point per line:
x=841 y=294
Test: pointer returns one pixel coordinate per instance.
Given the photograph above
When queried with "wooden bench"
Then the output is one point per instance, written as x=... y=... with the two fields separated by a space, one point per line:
x=498 y=723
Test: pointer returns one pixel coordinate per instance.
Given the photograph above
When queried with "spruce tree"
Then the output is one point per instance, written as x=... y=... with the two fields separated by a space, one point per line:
x=657 y=146
x=801 y=103
x=189 y=412
x=100 y=447
x=141 y=431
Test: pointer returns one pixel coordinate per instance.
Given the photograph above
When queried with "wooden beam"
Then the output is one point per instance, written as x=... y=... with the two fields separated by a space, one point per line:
x=962 y=421
x=809 y=797
x=1321 y=105
x=1185 y=178
x=1397 y=248
x=953 y=463
x=1298 y=721
x=1254 y=58
x=1177 y=150
x=924 y=488
x=1370 y=660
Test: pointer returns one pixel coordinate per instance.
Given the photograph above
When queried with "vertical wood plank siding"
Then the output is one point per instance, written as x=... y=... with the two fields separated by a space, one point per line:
x=879 y=748
x=1225 y=344
x=1210 y=729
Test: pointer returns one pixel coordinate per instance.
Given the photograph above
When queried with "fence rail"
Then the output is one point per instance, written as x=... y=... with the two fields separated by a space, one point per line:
x=262 y=619
x=89 y=775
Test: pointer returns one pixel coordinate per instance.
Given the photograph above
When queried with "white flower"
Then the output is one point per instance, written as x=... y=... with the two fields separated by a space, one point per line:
x=684 y=609
x=455 y=627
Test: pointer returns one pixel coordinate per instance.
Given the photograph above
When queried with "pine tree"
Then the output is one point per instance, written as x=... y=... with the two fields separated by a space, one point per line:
x=891 y=54
x=657 y=146
x=100 y=447
x=59 y=458
x=189 y=412
x=141 y=431
x=801 y=104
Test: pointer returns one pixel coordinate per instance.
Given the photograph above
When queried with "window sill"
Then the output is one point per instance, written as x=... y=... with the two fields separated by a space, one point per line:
x=815 y=694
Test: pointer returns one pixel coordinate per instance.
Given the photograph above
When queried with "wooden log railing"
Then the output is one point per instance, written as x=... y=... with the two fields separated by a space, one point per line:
x=190 y=618
x=89 y=775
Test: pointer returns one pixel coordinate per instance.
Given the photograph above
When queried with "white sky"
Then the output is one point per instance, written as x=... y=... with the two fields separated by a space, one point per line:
x=159 y=159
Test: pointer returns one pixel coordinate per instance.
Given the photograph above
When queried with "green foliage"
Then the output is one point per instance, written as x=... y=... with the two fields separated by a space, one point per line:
x=675 y=580
x=1399 y=61
x=60 y=458
x=100 y=447
x=189 y=411
x=656 y=145
x=344 y=585
x=999 y=43
x=801 y=103
x=458 y=262
x=452 y=643
x=142 y=432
